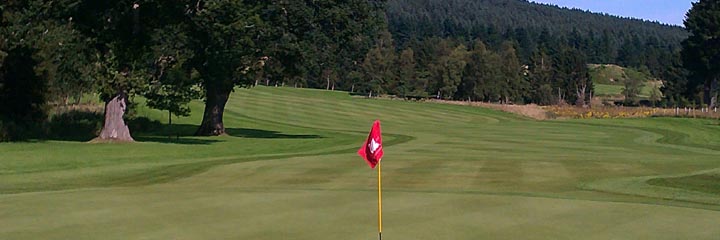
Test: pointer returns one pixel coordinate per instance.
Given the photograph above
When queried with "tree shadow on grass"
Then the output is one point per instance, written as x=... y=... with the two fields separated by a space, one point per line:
x=259 y=133
x=83 y=126
x=185 y=134
x=184 y=140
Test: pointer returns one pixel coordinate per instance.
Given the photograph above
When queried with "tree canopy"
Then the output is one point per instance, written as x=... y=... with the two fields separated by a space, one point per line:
x=701 y=51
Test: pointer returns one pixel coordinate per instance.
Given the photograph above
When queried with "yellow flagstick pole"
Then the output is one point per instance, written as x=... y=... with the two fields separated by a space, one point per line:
x=379 y=200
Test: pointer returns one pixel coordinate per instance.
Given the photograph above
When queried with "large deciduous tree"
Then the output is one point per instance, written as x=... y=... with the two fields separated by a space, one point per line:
x=227 y=34
x=701 y=51
x=234 y=37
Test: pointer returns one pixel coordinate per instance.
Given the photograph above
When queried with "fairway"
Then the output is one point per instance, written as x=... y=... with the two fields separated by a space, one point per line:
x=288 y=170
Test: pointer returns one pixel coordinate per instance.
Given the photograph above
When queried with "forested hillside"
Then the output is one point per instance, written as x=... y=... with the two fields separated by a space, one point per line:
x=601 y=37
x=509 y=51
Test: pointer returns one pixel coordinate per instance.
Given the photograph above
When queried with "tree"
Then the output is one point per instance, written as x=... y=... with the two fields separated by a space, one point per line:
x=408 y=83
x=655 y=95
x=29 y=72
x=633 y=85
x=482 y=75
x=379 y=65
x=446 y=68
x=454 y=64
x=224 y=42
x=512 y=72
x=22 y=91
x=232 y=36
x=675 y=85
x=119 y=33
x=541 y=76
x=701 y=51
x=572 y=77
x=171 y=90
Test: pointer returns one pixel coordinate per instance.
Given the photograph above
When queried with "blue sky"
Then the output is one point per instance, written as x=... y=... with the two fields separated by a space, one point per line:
x=665 y=11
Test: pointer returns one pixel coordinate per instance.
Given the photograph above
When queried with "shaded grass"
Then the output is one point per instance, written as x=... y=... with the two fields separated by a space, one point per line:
x=708 y=183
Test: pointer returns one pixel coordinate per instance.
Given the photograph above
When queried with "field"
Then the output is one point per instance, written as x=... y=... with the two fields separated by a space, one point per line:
x=288 y=170
x=616 y=90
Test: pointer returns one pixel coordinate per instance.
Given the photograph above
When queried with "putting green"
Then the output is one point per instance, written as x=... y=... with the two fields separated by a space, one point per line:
x=288 y=171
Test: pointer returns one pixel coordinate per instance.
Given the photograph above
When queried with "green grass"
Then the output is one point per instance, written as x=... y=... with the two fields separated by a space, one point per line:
x=288 y=170
x=607 y=74
x=709 y=183
x=616 y=90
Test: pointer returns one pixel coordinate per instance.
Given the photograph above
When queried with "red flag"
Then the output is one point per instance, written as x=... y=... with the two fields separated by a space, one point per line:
x=372 y=150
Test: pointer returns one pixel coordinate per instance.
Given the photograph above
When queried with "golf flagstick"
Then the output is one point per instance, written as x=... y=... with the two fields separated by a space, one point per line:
x=379 y=200
x=372 y=152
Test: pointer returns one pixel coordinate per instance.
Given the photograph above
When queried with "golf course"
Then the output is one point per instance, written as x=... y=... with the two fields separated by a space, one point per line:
x=288 y=169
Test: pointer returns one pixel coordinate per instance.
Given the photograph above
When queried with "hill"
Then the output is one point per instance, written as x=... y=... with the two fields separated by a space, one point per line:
x=288 y=169
x=603 y=38
x=609 y=81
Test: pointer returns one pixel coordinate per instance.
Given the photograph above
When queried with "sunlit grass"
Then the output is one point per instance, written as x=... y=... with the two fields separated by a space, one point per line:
x=288 y=170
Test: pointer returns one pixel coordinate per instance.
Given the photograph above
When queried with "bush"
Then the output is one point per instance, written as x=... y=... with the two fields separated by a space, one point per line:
x=4 y=135
x=13 y=131
x=75 y=125
x=143 y=125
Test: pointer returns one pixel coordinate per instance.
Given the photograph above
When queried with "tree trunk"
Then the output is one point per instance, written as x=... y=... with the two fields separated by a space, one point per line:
x=115 y=128
x=713 y=93
x=707 y=91
x=328 y=82
x=212 y=123
x=580 y=92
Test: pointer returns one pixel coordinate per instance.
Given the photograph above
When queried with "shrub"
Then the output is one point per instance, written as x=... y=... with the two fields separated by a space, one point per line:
x=143 y=124
x=75 y=125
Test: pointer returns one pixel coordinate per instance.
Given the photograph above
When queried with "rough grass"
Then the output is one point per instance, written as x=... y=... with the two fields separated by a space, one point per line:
x=288 y=170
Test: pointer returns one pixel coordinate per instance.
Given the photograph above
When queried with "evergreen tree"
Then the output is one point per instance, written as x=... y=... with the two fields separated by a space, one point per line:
x=675 y=87
x=540 y=74
x=572 y=78
x=701 y=51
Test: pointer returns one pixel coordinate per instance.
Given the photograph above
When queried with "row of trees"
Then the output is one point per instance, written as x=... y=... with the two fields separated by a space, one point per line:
x=684 y=58
x=602 y=38
x=455 y=69
x=170 y=52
